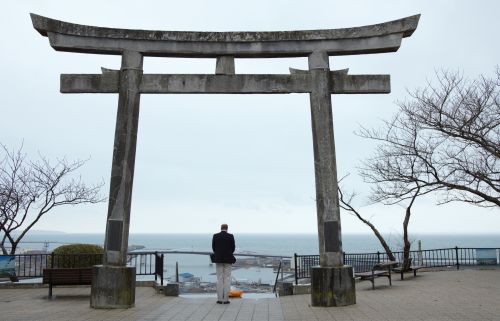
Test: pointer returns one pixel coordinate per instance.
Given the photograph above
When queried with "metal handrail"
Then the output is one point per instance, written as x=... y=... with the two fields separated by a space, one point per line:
x=277 y=275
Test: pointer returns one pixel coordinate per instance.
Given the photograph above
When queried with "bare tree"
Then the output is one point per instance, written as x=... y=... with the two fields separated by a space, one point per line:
x=30 y=189
x=445 y=139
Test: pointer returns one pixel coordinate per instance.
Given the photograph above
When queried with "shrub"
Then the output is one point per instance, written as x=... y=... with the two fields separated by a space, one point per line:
x=77 y=255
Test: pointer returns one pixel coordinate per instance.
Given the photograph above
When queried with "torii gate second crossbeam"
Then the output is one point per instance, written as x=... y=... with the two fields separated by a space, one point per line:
x=332 y=281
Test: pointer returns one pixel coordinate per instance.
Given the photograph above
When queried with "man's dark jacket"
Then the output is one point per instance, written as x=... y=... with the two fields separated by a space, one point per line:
x=223 y=247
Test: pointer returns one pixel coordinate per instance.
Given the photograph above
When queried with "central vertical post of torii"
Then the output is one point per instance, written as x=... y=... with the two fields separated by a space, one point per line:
x=332 y=283
x=113 y=283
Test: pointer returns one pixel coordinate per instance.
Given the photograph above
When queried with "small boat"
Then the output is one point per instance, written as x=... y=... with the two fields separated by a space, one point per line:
x=235 y=293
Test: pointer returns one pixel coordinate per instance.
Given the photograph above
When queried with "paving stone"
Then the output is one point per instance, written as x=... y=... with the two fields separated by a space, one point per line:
x=439 y=296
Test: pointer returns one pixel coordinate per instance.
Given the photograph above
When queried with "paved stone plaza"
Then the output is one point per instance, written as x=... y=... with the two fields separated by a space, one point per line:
x=445 y=295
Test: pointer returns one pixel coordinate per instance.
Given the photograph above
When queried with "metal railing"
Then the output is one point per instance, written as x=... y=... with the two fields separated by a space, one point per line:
x=152 y=263
x=32 y=265
x=146 y=262
x=435 y=258
x=303 y=264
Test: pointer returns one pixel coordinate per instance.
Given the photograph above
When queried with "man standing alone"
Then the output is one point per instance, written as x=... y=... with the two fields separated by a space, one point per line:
x=223 y=247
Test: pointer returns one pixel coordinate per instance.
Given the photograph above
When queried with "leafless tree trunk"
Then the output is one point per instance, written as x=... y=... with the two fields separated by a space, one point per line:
x=30 y=189
x=346 y=204
x=406 y=238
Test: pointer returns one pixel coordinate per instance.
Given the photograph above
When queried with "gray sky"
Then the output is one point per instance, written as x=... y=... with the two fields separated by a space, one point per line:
x=245 y=160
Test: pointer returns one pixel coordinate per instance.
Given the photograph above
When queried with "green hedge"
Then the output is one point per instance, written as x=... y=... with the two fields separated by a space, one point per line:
x=76 y=256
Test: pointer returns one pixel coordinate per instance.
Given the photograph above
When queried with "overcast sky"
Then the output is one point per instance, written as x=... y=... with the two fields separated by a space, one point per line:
x=244 y=160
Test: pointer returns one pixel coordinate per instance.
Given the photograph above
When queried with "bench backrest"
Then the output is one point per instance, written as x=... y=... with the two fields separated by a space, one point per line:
x=384 y=266
x=70 y=276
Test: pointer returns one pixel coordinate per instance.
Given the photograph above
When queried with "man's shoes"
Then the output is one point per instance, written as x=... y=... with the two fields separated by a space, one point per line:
x=219 y=302
x=226 y=302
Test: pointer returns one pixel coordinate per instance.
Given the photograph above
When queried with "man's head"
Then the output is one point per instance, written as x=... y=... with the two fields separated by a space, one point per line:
x=223 y=227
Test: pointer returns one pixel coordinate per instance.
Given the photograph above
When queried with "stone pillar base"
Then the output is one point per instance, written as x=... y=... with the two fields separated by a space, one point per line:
x=301 y=289
x=171 y=289
x=332 y=286
x=113 y=287
x=285 y=288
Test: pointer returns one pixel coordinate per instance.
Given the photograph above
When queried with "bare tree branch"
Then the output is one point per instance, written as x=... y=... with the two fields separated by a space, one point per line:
x=445 y=139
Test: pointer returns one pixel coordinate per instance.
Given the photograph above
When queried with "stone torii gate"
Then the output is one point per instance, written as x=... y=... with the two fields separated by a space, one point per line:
x=332 y=282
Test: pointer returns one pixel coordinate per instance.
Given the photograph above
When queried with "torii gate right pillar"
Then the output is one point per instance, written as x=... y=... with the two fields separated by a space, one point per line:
x=332 y=283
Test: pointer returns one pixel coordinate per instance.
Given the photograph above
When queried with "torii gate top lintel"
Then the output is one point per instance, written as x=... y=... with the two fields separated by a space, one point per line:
x=383 y=37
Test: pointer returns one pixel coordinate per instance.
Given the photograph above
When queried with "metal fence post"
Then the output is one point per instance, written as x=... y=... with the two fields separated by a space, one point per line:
x=456 y=256
x=156 y=266
x=281 y=267
x=295 y=266
x=162 y=264
x=378 y=256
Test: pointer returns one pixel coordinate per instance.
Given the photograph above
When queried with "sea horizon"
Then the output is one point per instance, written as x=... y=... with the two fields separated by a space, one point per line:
x=267 y=233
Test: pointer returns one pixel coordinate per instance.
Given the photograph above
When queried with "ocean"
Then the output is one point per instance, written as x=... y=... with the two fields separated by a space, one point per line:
x=271 y=244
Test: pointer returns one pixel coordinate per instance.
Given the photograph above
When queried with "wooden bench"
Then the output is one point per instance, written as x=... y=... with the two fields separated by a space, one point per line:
x=378 y=270
x=66 y=276
x=411 y=268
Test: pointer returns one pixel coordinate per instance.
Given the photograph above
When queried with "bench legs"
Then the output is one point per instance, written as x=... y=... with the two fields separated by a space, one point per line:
x=372 y=280
x=414 y=273
x=50 y=290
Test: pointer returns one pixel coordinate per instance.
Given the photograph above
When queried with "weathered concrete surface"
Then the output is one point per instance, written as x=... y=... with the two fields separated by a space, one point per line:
x=301 y=289
x=122 y=171
x=227 y=84
x=113 y=287
x=285 y=288
x=327 y=205
x=332 y=286
x=171 y=289
x=225 y=65
x=384 y=37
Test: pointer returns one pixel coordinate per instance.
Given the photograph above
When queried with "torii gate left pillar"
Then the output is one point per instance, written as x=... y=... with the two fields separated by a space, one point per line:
x=332 y=282
x=114 y=281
